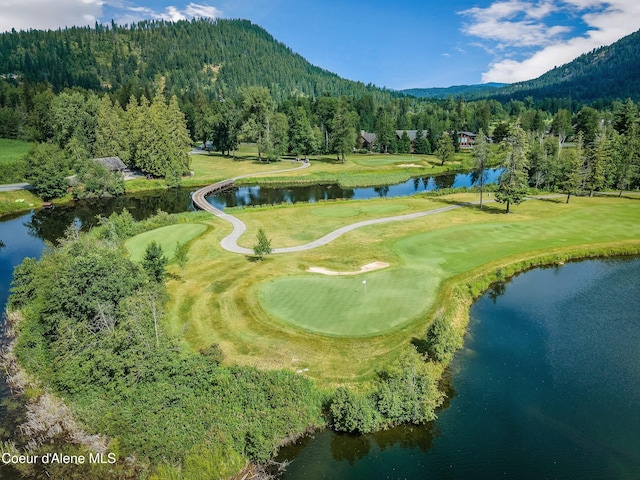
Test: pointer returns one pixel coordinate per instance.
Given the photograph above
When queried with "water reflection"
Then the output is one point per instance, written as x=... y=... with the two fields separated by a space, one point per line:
x=349 y=447
x=254 y=195
x=50 y=224
x=496 y=290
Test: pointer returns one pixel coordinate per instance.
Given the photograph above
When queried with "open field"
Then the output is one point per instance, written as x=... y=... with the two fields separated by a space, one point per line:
x=273 y=313
x=12 y=150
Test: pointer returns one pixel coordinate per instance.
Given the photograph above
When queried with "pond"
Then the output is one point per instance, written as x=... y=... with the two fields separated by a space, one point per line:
x=255 y=195
x=547 y=386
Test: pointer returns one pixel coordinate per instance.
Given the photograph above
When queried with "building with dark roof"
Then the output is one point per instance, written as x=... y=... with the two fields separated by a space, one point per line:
x=113 y=164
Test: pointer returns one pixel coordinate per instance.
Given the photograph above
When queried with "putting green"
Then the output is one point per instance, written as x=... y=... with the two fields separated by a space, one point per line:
x=167 y=237
x=339 y=306
x=381 y=160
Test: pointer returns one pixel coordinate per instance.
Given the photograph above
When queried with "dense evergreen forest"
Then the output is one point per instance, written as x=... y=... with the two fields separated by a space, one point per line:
x=213 y=56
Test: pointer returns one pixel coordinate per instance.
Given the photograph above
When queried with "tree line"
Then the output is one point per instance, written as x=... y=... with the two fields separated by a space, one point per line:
x=603 y=155
x=153 y=133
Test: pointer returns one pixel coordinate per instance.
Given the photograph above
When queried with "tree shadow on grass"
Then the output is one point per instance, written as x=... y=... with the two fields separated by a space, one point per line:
x=616 y=194
x=173 y=276
x=255 y=258
x=327 y=160
x=491 y=207
x=558 y=200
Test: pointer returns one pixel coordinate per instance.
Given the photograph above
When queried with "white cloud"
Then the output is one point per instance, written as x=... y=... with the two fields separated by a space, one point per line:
x=171 y=13
x=511 y=25
x=195 y=10
x=50 y=14
x=43 y=14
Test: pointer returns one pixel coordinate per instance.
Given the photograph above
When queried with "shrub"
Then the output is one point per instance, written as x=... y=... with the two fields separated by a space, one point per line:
x=353 y=412
x=442 y=340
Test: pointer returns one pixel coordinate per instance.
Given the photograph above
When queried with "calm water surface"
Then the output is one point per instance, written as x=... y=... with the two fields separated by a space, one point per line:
x=547 y=386
x=255 y=195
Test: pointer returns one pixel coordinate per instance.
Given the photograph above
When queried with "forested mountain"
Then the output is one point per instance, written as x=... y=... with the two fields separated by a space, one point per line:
x=210 y=55
x=464 y=90
x=604 y=74
x=216 y=56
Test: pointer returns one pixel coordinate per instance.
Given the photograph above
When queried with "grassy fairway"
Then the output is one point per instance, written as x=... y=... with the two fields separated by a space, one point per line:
x=167 y=237
x=338 y=306
x=274 y=314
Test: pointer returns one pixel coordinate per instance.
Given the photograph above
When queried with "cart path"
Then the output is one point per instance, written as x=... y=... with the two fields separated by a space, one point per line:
x=230 y=242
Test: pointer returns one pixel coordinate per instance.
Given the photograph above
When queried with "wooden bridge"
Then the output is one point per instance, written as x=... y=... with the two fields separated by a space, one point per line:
x=199 y=197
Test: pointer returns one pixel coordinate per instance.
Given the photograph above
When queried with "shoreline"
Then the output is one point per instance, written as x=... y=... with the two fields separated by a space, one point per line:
x=244 y=180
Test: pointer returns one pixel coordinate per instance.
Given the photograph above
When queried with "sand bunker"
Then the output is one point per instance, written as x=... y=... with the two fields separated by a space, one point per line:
x=365 y=268
x=409 y=165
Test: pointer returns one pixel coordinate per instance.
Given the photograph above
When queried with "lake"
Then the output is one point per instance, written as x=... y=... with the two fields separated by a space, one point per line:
x=547 y=386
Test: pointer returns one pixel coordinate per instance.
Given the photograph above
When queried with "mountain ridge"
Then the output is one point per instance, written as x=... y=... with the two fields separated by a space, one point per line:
x=222 y=56
x=216 y=56
x=610 y=72
x=455 y=90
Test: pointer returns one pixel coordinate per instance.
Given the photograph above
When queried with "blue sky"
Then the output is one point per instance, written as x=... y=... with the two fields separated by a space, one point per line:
x=394 y=44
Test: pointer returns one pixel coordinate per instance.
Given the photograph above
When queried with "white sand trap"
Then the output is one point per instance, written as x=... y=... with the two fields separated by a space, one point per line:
x=410 y=165
x=365 y=268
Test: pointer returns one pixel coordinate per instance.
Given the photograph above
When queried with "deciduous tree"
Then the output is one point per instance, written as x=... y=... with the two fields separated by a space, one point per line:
x=445 y=149
x=46 y=169
x=343 y=131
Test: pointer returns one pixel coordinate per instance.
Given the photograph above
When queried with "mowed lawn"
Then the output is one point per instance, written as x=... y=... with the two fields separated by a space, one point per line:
x=167 y=237
x=274 y=314
x=344 y=305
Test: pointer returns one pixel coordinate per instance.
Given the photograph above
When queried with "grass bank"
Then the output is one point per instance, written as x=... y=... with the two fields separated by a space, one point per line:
x=253 y=309
x=18 y=201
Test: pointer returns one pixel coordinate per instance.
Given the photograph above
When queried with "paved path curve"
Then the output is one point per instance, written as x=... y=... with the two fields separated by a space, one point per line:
x=230 y=242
